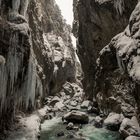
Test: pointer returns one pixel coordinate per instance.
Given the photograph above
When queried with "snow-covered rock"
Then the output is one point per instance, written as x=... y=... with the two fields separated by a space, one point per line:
x=85 y=104
x=129 y=128
x=132 y=138
x=54 y=100
x=113 y=121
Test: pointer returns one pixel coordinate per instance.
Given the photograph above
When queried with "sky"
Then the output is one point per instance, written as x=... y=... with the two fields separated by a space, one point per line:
x=66 y=9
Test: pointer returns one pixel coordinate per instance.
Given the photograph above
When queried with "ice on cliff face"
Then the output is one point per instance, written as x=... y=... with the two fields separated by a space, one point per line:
x=19 y=84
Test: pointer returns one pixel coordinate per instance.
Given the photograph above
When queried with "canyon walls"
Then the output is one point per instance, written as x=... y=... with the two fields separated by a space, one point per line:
x=96 y=22
x=111 y=72
x=36 y=55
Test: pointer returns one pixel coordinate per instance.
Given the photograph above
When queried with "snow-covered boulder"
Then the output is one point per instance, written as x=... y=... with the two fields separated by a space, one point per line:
x=98 y=122
x=129 y=127
x=132 y=138
x=54 y=101
x=85 y=104
x=113 y=121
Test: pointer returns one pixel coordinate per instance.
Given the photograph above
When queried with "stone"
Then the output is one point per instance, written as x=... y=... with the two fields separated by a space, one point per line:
x=113 y=121
x=70 y=136
x=70 y=126
x=85 y=104
x=127 y=110
x=132 y=138
x=60 y=134
x=54 y=101
x=76 y=117
x=73 y=103
x=59 y=105
x=98 y=122
x=92 y=109
x=129 y=128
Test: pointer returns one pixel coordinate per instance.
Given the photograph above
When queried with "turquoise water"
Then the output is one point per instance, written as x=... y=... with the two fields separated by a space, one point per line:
x=52 y=127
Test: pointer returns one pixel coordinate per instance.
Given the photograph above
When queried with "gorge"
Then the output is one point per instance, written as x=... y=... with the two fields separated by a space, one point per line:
x=51 y=89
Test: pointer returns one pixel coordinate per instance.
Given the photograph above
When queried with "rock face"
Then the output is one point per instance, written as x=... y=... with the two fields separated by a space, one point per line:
x=96 y=22
x=52 y=45
x=36 y=55
x=118 y=71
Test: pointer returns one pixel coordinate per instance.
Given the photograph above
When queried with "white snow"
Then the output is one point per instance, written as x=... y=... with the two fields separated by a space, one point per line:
x=29 y=127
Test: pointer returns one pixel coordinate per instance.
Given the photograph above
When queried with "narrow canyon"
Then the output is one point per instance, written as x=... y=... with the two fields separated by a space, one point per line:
x=70 y=81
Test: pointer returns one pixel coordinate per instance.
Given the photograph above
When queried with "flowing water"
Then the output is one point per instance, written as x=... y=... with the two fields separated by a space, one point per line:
x=51 y=128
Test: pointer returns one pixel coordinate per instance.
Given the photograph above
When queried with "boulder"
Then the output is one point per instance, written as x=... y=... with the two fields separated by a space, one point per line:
x=132 y=138
x=73 y=103
x=54 y=101
x=129 y=128
x=60 y=134
x=76 y=117
x=98 y=122
x=85 y=104
x=59 y=105
x=92 y=109
x=113 y=121
x=128 y=110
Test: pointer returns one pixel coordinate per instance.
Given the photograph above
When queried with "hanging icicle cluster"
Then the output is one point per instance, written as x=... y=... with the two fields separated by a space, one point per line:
x=120 y=6
x=19 y=82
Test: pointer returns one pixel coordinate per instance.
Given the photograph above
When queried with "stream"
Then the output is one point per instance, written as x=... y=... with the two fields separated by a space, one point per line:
x=51 y=128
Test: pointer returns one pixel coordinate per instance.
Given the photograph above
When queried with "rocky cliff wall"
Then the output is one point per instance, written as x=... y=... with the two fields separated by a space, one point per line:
x=36 y=55
x=96 y=22
x=118 y=71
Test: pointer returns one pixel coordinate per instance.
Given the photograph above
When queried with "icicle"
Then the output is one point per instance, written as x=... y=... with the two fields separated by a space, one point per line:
x=119 y=5
x=120 y=63
x=15 y=5
x=24 y=6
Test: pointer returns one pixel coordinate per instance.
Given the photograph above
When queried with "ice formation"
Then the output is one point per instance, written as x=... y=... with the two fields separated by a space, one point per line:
x=19 y=82
x=119 y=5
x=19 y=6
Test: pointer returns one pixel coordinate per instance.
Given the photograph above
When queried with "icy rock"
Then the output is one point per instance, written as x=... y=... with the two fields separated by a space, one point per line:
x=73 y=103
x=128 y=110
x=76 y=117
x=129 y=128
x=132 y=138
x=59 y=105
x=98 y=122
x=60 y=134
x=54 y=101
x=92 y=109
x=85 y=104
x=113 y=121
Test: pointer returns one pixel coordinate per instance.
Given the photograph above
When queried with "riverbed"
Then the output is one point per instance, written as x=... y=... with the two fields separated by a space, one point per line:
x=50 y=129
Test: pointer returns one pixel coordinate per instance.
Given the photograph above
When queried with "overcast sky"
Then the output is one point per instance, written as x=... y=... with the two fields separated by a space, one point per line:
x=66 y=9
